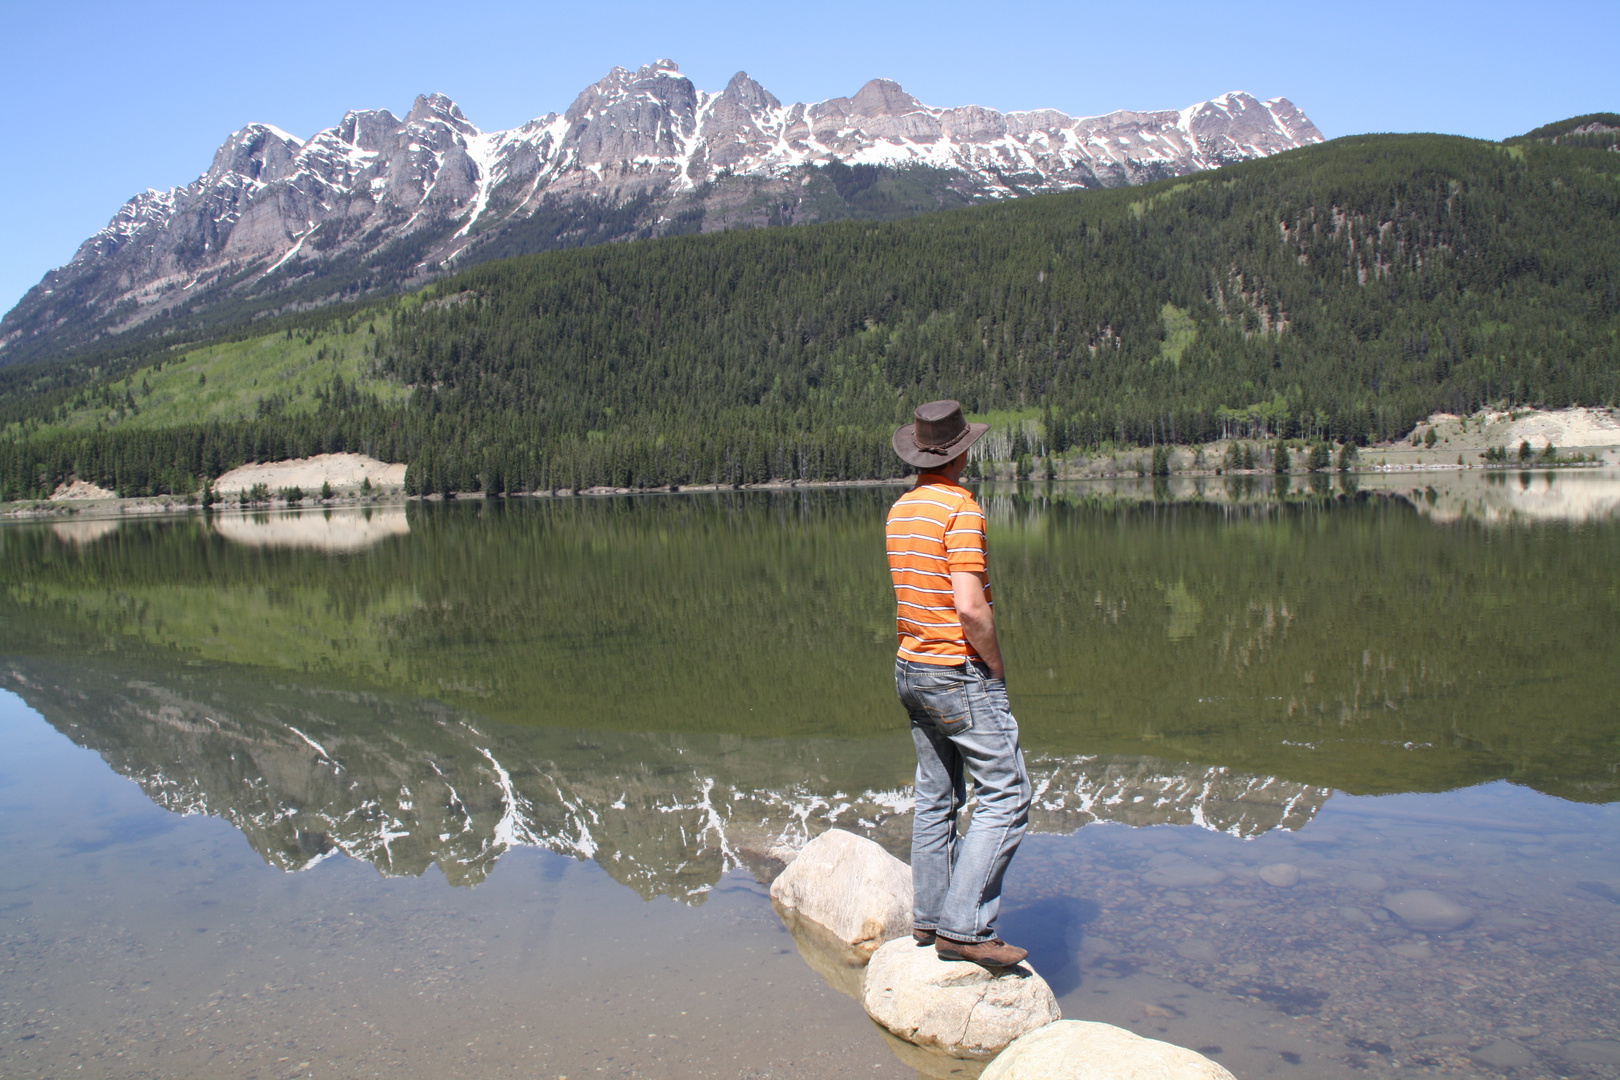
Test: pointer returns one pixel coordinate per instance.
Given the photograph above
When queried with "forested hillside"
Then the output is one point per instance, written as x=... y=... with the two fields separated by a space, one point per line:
x=1341 y=291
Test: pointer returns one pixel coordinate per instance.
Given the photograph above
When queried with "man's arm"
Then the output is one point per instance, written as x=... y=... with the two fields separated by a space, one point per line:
x=978 y=621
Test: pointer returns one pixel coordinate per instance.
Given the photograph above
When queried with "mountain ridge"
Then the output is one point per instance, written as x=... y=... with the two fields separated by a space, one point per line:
x=377 y=202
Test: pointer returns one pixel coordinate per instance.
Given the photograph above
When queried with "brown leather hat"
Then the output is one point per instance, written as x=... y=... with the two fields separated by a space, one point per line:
x=940 y=433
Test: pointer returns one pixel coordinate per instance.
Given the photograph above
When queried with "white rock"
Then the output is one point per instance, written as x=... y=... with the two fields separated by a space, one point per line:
x=957 y=1008
x=1422 y=909
x=851 y=886
x=1283 y=875
x=1080 y=1050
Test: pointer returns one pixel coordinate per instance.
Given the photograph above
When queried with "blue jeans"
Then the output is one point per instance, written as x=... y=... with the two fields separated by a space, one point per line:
x=960 y=721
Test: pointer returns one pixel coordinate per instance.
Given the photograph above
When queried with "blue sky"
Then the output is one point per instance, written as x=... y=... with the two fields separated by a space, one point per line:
x=106 y=99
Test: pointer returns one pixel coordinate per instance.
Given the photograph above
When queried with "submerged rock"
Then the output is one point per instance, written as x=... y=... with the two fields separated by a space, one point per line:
x=1176 y=872
x=1422 y=909
x=956 y=1008
x=1504 y=1054
x=860 y=893
x=1080 y=1050
x=1281 y=875
x=1593 y=1051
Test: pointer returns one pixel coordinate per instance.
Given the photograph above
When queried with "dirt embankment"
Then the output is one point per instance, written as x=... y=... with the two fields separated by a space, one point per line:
x=1463 y=440
x=81 y=491
x=1566 y=429
x=344 y=472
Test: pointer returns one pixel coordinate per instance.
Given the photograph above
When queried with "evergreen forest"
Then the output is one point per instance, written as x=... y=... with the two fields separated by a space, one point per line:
x=1341 y=292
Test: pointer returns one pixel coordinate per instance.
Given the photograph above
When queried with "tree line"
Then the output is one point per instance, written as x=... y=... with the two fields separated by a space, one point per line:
x=1337 y=293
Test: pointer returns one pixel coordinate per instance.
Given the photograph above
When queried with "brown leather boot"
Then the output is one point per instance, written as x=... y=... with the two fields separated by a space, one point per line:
x=994 y=953
x=923 y=937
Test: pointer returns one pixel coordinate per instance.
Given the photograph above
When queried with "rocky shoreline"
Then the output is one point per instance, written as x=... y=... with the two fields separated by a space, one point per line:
x=847 y=903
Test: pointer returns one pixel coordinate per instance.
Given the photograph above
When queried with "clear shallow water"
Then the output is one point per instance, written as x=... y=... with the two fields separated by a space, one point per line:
x=531 y=763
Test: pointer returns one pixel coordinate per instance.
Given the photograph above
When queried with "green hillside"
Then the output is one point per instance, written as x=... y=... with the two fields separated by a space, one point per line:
x=1599 y=130
x=229 y=380
x=1343 y=291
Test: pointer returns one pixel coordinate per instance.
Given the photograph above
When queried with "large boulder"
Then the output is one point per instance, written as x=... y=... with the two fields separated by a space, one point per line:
x=953 y=1007
x=1080 y=1050
x=860 y=893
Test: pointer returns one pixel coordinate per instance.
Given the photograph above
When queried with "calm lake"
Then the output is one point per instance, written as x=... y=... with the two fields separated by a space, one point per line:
x=1328 y=779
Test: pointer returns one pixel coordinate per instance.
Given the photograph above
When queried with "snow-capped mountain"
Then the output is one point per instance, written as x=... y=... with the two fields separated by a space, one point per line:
x=378 y=201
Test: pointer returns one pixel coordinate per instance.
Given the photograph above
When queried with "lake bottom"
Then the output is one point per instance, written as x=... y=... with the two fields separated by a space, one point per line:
x=1173 y=933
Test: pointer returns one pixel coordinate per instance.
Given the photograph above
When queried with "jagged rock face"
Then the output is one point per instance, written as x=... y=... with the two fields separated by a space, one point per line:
x=271 y=207
x=405 y=784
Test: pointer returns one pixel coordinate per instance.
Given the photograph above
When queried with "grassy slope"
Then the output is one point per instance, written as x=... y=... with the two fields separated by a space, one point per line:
x=228 y=381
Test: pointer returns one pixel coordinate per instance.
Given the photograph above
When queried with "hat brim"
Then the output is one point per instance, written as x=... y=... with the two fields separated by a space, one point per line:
x=905 y=444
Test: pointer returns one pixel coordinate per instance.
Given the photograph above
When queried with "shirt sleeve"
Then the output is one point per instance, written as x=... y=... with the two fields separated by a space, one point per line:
x=964 y=538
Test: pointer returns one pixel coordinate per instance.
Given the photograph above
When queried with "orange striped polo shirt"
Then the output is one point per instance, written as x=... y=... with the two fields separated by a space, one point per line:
x=933 y=529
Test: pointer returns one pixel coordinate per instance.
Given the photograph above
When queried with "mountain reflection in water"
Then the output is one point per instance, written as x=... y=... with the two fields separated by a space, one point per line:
x=1345 y=640
x=404 y=784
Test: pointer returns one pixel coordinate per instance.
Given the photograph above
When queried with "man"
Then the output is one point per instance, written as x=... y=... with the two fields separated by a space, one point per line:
x=950 y=678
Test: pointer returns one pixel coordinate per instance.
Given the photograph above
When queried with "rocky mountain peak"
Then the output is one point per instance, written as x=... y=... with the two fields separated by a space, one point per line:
x=272 y=206
x=369 y=129
x=744 y=92
x=258 y=152
x=437 y=107
x=883 y=97
x=660 y=81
